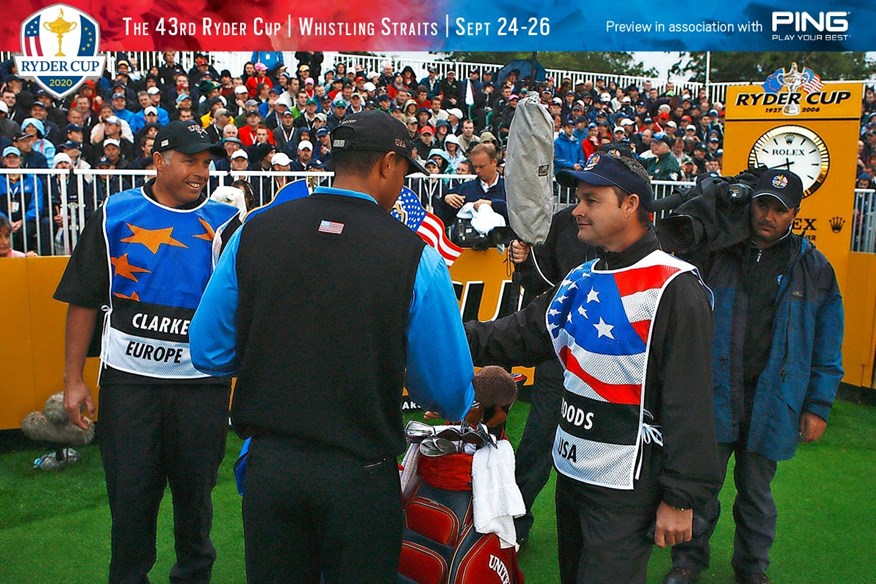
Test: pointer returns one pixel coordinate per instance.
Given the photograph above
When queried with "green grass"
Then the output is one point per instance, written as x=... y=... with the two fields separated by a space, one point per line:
x=54 y=526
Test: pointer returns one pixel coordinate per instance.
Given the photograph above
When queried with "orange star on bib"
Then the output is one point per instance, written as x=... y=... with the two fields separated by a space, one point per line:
x=125 y=269
x=208 y=234
x=152 y=238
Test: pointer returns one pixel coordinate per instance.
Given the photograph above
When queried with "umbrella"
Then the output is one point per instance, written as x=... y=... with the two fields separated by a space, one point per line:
x=524 y=67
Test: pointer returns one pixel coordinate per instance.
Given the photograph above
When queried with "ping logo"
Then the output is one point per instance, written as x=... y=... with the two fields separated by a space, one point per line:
x=803 y=21
x=60 y=45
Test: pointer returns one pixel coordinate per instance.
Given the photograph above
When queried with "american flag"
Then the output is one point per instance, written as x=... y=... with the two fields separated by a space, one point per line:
x=410 y=211
x=33 y=47
x=596 y=316
x=812 y=81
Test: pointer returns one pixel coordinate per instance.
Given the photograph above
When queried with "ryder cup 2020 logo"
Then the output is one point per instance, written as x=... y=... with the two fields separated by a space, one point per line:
x=60 y=49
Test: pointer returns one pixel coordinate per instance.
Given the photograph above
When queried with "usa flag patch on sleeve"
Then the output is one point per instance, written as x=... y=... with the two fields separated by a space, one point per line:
x=331 y=227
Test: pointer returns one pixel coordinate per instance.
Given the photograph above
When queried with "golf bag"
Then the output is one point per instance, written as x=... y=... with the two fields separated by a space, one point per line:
x=440 y=544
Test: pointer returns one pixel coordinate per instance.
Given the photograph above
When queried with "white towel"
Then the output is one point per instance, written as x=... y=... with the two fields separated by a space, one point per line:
x=483 y=219
x=495 y=496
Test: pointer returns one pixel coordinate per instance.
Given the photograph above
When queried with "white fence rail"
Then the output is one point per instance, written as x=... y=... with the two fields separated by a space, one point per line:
x=49 y=208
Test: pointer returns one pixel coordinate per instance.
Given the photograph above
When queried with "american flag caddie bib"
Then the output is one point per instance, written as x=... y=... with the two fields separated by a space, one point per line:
x=600 y=324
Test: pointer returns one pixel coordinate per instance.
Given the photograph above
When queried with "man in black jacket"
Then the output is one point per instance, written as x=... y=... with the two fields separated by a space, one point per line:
x=635 y=446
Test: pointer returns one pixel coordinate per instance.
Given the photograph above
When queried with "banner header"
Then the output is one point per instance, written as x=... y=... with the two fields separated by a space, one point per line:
x=469 y=25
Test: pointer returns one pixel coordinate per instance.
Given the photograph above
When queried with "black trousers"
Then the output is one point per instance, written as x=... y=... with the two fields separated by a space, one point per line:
x=534 y=459
x=754 y=512
x=309 y=510
x=151 y=436
x=599 y=544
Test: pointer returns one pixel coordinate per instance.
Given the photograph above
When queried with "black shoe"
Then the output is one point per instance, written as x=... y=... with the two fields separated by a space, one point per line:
x=755 y=578
x=681 y=576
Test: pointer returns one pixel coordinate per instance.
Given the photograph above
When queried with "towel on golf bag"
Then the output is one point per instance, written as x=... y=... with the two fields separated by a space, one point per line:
x=497 y=500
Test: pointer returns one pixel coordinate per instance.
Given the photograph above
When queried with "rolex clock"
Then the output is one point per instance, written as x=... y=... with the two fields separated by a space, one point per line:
x=794 y=148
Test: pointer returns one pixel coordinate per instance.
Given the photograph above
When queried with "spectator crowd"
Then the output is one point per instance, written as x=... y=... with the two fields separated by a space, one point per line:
x=271 y=116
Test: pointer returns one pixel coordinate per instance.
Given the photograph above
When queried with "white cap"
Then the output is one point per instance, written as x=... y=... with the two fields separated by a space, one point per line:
x=305 y=144
x=3 y=107
x=241 y=89
x=239 y=154
x=153 y=90
x=557 y=100
x=626 y=99
x=111 y=141
x=280 y=159
x=671 y=124
x=150 y=110
x=455 y=112
x=368 y=86
x=618 y=129
x=113 y=120
x=626 y=122
x=62 y=158
x=605 y=97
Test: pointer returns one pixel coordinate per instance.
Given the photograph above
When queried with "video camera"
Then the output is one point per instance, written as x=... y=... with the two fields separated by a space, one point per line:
x=712 y=214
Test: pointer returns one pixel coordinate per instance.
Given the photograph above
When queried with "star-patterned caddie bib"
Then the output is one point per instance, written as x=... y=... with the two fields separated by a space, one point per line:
x=160 y=260
x=600 y=325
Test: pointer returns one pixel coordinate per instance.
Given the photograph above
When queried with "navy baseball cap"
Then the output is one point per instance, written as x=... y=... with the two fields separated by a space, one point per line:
x=606 y=170
x=376 y=132
x=187 y=137
x=781 y=184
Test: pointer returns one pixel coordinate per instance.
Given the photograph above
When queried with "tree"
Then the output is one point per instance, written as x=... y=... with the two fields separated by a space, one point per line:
x=608 y=63
x=754 y=67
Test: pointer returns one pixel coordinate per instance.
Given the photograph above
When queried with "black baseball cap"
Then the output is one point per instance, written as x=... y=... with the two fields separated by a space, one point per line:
x=188 y=137
x=781 y=184
x=376 y=132
x=606 y=170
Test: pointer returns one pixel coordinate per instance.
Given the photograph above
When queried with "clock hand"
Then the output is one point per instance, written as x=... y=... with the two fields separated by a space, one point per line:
x=787 y=164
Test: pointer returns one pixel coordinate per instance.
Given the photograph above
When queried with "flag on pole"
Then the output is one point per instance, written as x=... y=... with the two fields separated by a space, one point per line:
x=469 y=93
x=430 y=228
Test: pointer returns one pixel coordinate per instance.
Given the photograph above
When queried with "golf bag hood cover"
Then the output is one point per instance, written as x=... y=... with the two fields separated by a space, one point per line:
x=529 y=170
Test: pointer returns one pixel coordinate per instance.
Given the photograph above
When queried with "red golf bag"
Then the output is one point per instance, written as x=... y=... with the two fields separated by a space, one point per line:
x=440 y=543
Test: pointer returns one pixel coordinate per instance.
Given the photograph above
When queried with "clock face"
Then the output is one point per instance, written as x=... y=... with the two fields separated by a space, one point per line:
x=794 y=148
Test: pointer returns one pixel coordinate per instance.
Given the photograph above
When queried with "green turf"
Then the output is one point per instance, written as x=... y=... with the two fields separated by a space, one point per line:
x=54 y=526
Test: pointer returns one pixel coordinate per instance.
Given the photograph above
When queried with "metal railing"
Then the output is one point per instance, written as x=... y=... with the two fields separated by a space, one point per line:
x=864 y=221
x=49 y=208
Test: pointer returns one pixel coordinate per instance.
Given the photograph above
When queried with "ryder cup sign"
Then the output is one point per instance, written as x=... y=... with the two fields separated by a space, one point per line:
x=60 y=49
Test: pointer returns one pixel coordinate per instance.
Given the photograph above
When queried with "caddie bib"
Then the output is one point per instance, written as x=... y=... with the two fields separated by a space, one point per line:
x=600 y=324
x=160 y=260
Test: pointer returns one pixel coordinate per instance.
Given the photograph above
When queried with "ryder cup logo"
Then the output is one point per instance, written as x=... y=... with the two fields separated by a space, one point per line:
x=780 y=181
x=60 y=49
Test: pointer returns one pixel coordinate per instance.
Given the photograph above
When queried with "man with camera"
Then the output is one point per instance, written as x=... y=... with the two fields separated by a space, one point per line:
x=776 y=362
